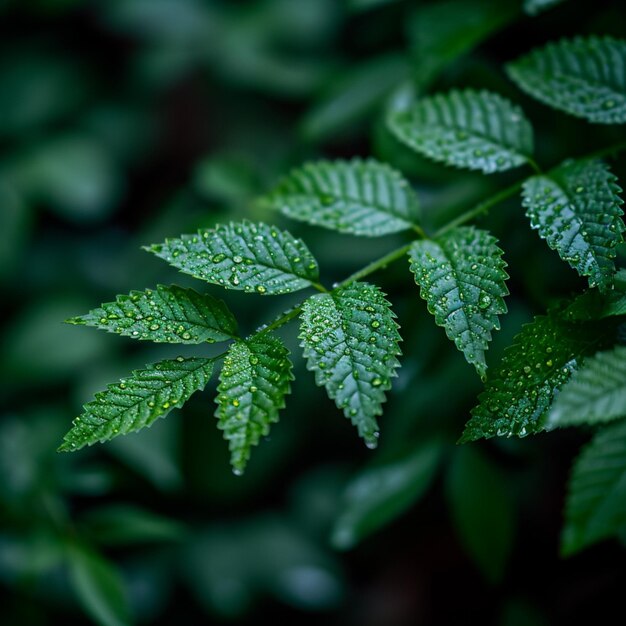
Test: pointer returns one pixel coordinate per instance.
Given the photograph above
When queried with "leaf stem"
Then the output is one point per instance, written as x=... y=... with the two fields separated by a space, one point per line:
x=398 y=253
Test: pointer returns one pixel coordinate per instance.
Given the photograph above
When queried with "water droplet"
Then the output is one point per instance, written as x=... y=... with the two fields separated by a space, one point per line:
x=218 y=258
x=235 y=403
x=484 y=301
x=375 y=324
x=261 y=289
x=237 y=259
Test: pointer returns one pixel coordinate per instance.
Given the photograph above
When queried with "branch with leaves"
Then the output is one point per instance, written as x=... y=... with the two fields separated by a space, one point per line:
x=564 y=368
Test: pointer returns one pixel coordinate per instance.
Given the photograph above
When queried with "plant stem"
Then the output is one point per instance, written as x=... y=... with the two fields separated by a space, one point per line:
x=398 y=253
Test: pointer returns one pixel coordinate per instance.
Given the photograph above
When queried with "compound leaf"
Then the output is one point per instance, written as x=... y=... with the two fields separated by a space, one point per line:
x=244 y=256
x=137 y=401
x=461 y=276
x=596 y=501
x=595 y=393
x=253 y=384
x=585 y=77
x=576 y=209
x=168 y=314
x=358 y=197
x=350 y=340
x=476 y=130
x=541 y=359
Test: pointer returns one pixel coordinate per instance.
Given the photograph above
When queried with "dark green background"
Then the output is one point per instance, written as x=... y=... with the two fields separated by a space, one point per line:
x=125 y=121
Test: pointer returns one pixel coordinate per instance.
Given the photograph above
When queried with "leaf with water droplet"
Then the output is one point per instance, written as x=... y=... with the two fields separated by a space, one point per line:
x=519 y=392
x=585 y=77
x=576 y=209
x=167 y=314
x=359 y=197
x=335 y=332
x=136 y=402
x=476 y=130
x=245 y=256
x=461 y=276
x=253 y=384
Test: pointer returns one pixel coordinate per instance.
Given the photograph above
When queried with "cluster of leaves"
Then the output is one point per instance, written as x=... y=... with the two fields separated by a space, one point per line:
x=566 y=367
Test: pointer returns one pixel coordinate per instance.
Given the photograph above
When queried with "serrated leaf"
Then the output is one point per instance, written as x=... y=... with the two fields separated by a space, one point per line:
x=585 y=77
x=168 y=314
x=461 y=276
x=244 y=256
x=358 y=197
x=350 y=340
x=595 y=393
x=136 y=402
x=441 y=32
x=253 y=384
x=476 y=130
x=482 y=510
x=379 y=494
x=534 y=7
x=576 y=209
x=519 y=392
x=596 y=501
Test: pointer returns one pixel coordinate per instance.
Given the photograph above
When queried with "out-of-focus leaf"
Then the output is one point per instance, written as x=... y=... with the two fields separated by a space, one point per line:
x=120 y=524
x=481 y=506
x=352 y=97
x=379 y=494
x=443 y=30
x=37 y=88
x=72 y=175
x=228 y=568
x=15 y=223
x=98 y=587
x=225 y=178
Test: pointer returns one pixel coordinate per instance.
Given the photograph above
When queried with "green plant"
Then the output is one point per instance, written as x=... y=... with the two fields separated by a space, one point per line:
x=562 y=369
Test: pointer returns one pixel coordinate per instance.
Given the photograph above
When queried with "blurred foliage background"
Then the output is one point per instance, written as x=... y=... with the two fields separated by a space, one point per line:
x=125 y=121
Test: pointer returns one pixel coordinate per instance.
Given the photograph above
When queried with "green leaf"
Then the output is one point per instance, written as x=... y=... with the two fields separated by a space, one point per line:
x=122 y=525
x=534 y=7
x=481 y=506
x=350 y=340
x=541 y=359
x=576 y=209
x=379 y=494
x=358 y=197
x=245 y=256
x=98 y=587
x=461 y=276
x=136 y=402
x=441 y=32
x=476 y=130
x=253 y=384
x=168 y=314
x=596 y=305
x=583 y=77
x=595 y=393
x=596 y=502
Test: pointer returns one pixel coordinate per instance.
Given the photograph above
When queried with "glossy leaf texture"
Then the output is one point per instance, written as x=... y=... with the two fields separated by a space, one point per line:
x=461 y=276
x=358 y=197
x=253 y=384
x=596 y=500
x=576 y=209
x=475 y=130
x=255 y=258
x=137 y=401
x=379 y=494
x=167 y=314
x=519 y=392
x=585 y=77
x=351 y=341
x=595 y=393
x=441 y=32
